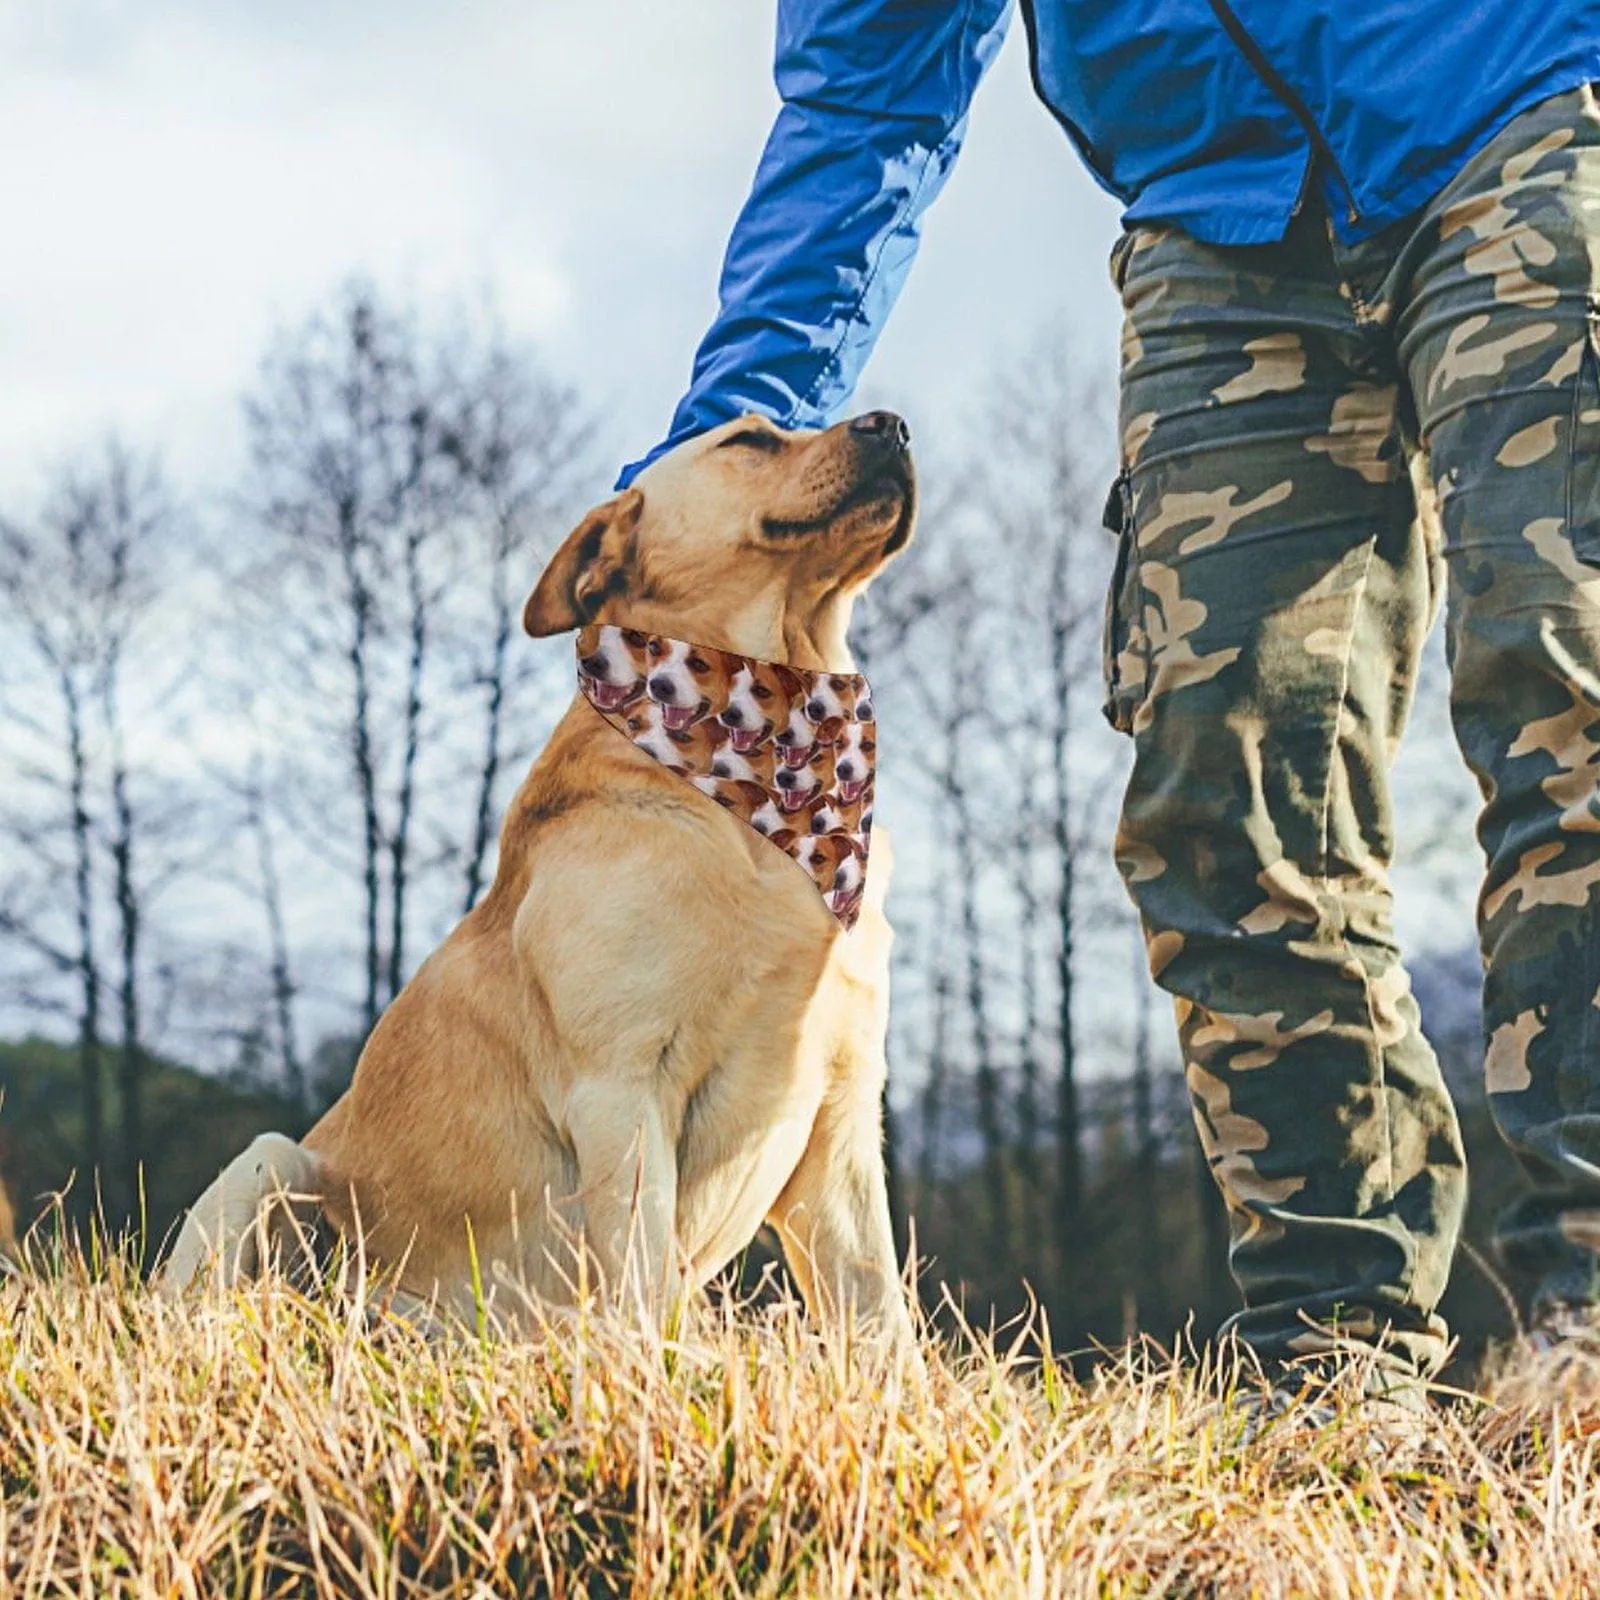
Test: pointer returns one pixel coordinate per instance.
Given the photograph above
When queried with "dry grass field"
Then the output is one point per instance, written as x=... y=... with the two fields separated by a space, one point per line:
x=268 y=1443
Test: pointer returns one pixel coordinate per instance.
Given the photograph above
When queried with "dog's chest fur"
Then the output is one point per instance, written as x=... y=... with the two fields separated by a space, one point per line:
x=674 y=947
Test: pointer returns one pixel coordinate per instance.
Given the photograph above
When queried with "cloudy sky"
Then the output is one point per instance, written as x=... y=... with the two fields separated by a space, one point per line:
x=183 y=176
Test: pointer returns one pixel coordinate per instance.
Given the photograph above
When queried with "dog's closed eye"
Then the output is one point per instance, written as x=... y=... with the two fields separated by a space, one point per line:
x=754 y=439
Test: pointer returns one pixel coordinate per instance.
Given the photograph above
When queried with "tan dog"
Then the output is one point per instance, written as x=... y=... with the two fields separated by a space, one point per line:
x=652 y=1034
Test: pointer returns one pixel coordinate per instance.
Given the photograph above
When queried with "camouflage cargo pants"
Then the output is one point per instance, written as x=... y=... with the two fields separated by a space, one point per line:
x=1274 y=590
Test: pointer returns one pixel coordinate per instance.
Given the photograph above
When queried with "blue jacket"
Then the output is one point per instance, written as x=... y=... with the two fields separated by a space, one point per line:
x=1213 y=115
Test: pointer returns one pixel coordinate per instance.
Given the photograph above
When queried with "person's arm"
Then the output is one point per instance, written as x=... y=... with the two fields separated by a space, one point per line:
x=875 y=96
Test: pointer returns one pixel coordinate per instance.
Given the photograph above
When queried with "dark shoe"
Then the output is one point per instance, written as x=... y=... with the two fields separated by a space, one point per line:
x=1381 y=1409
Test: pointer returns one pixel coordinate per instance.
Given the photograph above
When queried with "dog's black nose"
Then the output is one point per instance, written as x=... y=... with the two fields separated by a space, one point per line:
x=884 y=426
x=662 y=689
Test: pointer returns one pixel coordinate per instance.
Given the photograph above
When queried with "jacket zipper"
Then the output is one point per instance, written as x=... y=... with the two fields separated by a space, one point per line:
x=1281 y=87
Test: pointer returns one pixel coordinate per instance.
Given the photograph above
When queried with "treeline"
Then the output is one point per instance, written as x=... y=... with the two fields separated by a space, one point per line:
x=237 y=733
x=255 y=744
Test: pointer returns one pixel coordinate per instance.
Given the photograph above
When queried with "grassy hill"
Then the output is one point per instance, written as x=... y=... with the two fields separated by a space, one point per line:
x=193 y=1125
x=1159 y=1274
x=268 y=1442
x=264 y=1443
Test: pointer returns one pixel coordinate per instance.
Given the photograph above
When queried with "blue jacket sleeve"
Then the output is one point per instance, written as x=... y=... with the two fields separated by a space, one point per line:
x=875 y=97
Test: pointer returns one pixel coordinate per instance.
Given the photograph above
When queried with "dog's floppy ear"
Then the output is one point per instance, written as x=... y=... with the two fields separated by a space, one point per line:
x=793 y=684
x=589 y=567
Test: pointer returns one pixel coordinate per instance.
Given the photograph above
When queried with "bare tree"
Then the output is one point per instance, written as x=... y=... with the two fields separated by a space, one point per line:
x=405 y=479
x=280 y=962
x=523 y=443
x=1069 y=1137
x=955 y=786
x=1030 y=929
x=937 y=1068
x=77 y=581
x=131 y=509
x=420 y=598
x=1039 y=493
x=354 y=486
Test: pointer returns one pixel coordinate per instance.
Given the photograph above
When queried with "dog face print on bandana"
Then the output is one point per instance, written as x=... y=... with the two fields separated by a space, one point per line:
x=791 y=752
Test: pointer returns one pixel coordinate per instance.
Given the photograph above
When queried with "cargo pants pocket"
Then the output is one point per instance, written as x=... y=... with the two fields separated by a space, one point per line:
x=1121 y=649
x=1583 y=448
x=1117 y=261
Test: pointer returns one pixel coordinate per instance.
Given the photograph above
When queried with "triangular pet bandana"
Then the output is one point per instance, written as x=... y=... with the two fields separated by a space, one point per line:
x=790 y=751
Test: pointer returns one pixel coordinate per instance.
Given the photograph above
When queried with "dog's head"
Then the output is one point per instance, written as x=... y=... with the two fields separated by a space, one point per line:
x=747 y=538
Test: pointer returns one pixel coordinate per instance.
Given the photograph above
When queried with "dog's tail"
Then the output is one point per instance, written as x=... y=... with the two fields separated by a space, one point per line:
x=264 y=1200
